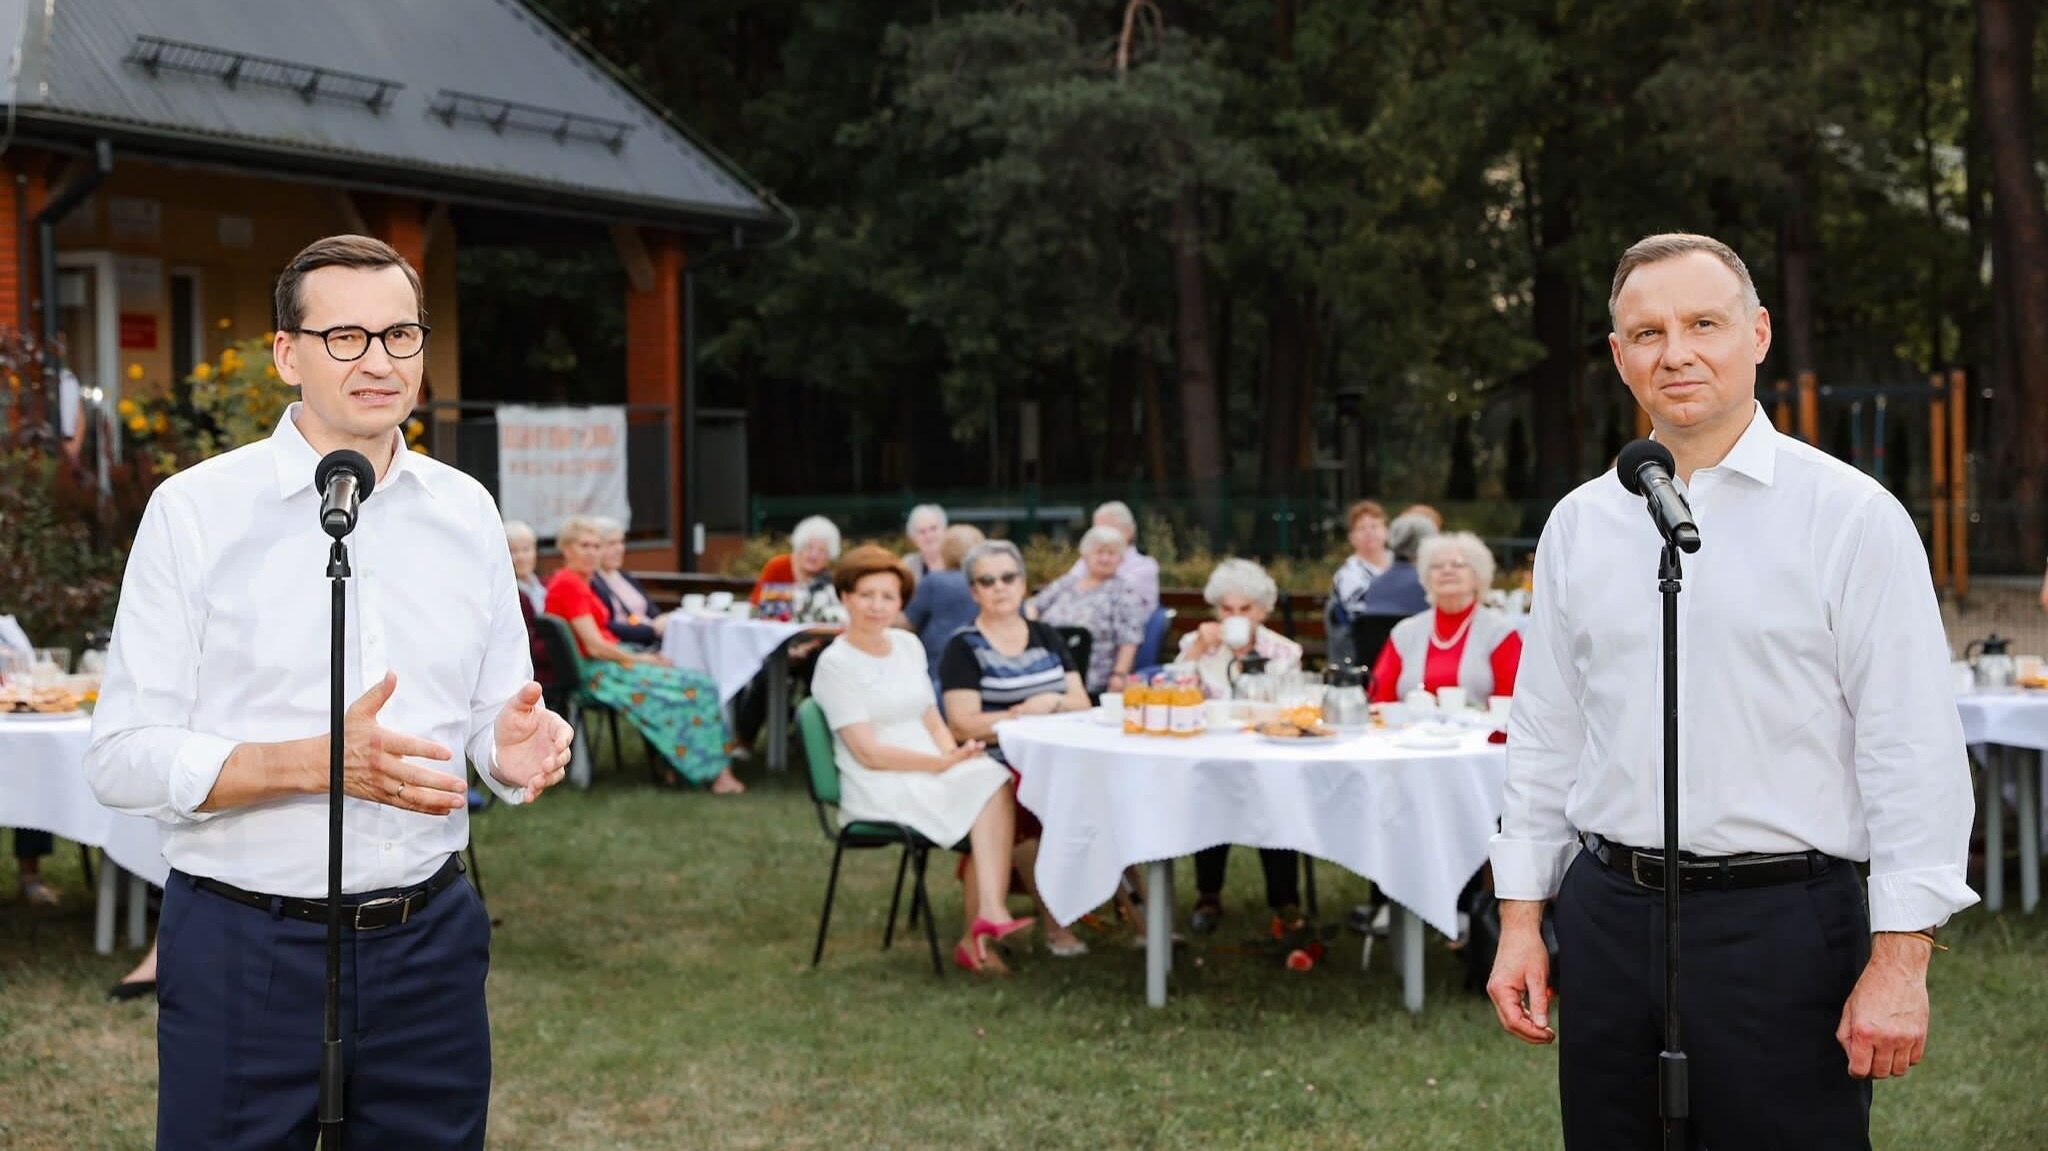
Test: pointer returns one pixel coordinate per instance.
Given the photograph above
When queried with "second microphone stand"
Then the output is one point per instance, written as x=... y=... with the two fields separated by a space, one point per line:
x=1674 y=1102
x=331 y=1070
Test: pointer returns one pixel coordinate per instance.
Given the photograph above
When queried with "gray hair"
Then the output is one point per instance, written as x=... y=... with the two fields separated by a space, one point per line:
x=1669 y=246
x=1406 y=534
x=989 y=549
x=608 y=528
x=576 y=528
x=520 y=530
x=924 y=512
x=1470 y=547
x=1242 y=577
x=1118 y=513
x=815 y=528
x=1103 y=536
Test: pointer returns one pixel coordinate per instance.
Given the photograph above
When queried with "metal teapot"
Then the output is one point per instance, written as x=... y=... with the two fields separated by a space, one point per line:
x=1989 y=661
x=1344 y=705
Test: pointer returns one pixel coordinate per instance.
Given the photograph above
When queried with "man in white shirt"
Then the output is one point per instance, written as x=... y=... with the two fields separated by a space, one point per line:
x=1817 y=732
x=213 y=720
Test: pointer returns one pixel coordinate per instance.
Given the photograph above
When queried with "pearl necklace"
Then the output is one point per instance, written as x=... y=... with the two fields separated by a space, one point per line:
x=1456 y=636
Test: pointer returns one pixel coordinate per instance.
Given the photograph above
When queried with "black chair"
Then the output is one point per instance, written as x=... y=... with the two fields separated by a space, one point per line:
x=1080 y=646
x=1369 y=634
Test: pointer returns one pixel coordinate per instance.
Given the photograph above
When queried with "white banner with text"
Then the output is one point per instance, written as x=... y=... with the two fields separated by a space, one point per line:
x=557 y=462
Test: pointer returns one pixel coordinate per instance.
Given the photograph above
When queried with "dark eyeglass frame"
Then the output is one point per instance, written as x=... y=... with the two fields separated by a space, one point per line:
x=327 y=335
x=989 y=581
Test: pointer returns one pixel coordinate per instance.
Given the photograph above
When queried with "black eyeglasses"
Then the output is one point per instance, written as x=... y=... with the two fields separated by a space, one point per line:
x=1006 y=578
x=352 y=342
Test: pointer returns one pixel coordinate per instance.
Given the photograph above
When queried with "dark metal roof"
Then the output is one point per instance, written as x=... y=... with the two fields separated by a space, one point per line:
x=483 y=98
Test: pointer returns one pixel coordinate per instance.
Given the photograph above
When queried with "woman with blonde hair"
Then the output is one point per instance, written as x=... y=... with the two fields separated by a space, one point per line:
x=677 y=710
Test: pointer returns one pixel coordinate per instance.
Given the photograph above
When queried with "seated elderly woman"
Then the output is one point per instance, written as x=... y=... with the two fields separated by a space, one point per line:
x=1003 y=666
x=942 y=604
x=1240 y=590
x=1094 y=597
x=898 y=763
x=926 y=527
x=797 y=587
x=635 y=619
x=1456 y=643
x=1138 y=570
x=676 y=710
x=525 y=547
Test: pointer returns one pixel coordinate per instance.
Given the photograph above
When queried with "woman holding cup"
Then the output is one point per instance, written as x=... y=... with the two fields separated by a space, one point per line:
x=1457 y=651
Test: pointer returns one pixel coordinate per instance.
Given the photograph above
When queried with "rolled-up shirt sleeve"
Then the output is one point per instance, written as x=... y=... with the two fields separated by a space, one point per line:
x=1911 y=767
x=507 y=663
x=1546 y=733
x=145 y=759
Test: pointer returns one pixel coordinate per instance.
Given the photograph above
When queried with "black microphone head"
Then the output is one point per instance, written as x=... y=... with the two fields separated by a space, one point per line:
x=1629 y=464
x=344 y=459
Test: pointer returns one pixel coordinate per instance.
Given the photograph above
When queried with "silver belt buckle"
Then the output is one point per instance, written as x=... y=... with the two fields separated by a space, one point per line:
x=404 y=914
x=1635 y=872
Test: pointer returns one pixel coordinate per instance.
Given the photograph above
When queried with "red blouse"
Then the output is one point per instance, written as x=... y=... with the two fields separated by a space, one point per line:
x=1441 y=668
x=569 y=596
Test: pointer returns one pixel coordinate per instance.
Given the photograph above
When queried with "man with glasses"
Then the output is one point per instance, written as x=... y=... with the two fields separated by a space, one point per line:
x=213 y=720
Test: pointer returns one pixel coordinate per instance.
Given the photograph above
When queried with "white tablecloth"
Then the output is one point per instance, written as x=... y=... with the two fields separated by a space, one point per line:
x=42 y=785
x=730 y=651
x=1415 y=822
x=2015 y=717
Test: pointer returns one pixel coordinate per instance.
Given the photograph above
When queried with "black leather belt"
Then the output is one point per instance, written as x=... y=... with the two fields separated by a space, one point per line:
x=1707 y=872
x=361 y=914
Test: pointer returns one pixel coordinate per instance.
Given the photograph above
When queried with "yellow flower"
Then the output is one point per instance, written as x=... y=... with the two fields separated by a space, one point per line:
x=224 y=323
x=202 y=371
x=161 y=424
x=270 y=371
x=269 y=338
x=134 y=371
x=138 y=424
x=126 y=407
x=414 y=428
x=420 y=448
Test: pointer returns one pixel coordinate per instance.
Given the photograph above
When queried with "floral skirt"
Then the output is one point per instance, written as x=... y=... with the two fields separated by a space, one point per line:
x=676 y=709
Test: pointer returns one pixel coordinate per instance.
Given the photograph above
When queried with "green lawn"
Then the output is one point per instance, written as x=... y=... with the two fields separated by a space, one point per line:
x=652 y=988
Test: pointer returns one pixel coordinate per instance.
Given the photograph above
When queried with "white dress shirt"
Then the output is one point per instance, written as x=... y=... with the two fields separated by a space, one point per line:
x=221 y=638
x=1815 y=711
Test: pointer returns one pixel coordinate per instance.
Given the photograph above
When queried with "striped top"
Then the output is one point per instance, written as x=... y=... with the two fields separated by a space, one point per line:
x=972 y=663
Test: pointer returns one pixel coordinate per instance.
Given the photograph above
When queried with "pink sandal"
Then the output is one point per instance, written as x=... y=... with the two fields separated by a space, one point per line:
x=983 y=929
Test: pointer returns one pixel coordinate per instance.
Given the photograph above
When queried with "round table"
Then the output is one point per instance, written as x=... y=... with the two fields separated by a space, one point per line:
x=1414 y=820
x=42 y=785
x=732 y=652
x=2010 y=719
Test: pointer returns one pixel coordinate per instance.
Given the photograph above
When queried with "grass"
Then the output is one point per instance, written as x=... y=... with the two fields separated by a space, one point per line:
x=651 y=988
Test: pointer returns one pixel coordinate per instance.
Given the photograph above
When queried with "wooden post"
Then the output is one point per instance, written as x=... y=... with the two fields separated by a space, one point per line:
x=1937 y=467
x=1959 y=478
x=1781 y=408
x=1809 y=407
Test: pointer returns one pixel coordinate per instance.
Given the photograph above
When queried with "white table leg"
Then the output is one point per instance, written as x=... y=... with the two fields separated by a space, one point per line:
x=1994 y=829
x=2027 y=786
x=138 y=912
x=103 y=912
x=778 y=710
x=1158 y=929
x=1410 y=927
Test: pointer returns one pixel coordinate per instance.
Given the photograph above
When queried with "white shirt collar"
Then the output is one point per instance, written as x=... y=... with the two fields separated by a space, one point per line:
x=296 y=459
x=1754 y=455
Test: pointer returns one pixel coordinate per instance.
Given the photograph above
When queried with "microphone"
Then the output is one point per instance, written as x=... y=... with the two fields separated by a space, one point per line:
x=1645 y=468
x=344 y=479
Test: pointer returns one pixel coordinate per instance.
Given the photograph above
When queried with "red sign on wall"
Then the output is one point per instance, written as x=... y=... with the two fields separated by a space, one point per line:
x=138 y=331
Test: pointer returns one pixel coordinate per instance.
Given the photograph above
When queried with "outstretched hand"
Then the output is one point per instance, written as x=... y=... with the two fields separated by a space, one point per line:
x=533 y=744
x=373 y=760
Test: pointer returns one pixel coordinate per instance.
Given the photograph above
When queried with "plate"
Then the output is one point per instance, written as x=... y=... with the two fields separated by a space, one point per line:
x=1298 y=740
x=41 y=716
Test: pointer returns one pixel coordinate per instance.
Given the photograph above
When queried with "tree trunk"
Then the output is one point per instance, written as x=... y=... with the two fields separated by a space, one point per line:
x=1155 y=421
x=1116 y=463
x=1280 y=397
x=1554 y=321
x=2005 y=29
x=1795 y=262
x=1200 y=433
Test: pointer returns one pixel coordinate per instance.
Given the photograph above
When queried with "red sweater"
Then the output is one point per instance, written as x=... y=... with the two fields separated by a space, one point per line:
x=1441 y=669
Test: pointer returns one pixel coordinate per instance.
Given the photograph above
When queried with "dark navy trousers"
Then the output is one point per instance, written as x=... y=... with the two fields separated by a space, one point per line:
x=240 y=993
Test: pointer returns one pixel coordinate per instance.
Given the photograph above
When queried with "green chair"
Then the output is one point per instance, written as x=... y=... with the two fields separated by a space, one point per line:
x=823 y=777
x=572 y=699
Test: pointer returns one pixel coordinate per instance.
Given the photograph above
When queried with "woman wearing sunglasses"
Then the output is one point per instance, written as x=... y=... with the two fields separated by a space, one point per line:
x=1004 y=666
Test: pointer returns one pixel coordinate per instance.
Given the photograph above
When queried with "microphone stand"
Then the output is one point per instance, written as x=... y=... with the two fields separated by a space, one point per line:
x=1673 y=1089
x=331 y=1070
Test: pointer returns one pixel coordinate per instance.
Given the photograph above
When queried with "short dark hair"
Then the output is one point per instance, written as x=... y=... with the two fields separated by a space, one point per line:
x=346 y=251
x=867 y=560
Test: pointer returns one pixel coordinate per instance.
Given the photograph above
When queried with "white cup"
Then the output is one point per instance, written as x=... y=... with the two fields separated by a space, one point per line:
x=1419 y=701
x=1237 y=631
x=1451 y=698
x=1221 y=715
x=693 y=603
x=1111 y=710
x=1497 y=705
x=718 y=600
